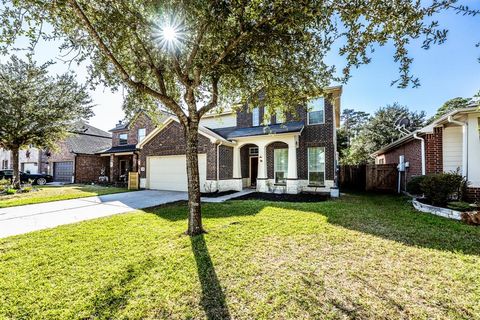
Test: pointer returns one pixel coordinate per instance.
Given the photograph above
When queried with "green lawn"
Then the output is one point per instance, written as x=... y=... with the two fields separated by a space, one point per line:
x=51 y=193
x=359 y=257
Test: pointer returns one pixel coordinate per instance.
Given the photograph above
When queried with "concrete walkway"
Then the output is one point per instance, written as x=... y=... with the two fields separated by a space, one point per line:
x=23 y=219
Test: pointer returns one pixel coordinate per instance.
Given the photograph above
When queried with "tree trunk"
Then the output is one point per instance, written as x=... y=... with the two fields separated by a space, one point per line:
x=16 y=171
x=195 y=226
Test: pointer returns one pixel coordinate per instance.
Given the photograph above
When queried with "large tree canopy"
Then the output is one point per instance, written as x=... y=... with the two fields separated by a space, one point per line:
x=450 y=105
x=380 y=130
x=36 y=108
x=195 y=56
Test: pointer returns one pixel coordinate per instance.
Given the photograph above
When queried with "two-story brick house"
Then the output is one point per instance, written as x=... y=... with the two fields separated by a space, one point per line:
x=237 y=149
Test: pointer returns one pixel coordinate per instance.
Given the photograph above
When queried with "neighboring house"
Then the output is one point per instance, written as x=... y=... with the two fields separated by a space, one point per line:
x=294 y=153
x=450 y=143
x=32 y=160
x=72 y=160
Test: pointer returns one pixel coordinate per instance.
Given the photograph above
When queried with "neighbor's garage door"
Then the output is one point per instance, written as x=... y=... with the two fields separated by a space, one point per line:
x=170 y=173
x=63 y=171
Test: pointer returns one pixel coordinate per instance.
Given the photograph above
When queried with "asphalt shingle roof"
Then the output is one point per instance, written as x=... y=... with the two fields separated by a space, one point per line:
x=121 y=148
x=234 y=132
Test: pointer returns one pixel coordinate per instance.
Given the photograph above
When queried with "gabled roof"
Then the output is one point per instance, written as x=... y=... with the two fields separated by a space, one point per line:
x=86 y=139
x=425 y=130
x=234 y=132
x=214 y=137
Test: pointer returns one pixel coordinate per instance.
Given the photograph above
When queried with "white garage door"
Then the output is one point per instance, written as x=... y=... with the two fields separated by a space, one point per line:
x=170 y=172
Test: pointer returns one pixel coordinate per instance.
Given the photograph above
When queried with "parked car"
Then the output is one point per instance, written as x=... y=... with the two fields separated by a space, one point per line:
x=36 y=178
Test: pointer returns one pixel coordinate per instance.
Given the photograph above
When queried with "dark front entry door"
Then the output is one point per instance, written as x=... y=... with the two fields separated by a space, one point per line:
x=253 y=171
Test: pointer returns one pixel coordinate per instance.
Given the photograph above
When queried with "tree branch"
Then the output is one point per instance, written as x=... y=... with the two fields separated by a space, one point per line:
x=124 y=74
x=213 y=100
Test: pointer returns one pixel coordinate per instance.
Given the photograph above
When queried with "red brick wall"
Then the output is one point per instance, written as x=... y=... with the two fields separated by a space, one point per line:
x=412 y=152
x=142 y=121
x=473 y=195
x=88 y=168
x=434 y=151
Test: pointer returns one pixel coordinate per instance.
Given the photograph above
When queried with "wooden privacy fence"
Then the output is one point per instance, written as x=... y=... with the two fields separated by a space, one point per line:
x=374 y=177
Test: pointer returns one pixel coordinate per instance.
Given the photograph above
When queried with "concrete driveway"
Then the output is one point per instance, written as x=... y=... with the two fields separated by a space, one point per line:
x=23 y=219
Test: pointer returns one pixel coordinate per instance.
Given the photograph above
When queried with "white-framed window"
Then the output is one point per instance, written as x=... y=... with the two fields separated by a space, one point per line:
x=256 y=116
x=4 y=164
x=253 y=151
x=280 y=164
x=142 y=132
x=280 y=117
x=316 y=111
x=122 y=138
x=316 y=166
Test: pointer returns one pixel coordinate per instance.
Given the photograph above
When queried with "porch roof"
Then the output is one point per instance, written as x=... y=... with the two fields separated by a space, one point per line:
x=121 y=148
x=234 y=132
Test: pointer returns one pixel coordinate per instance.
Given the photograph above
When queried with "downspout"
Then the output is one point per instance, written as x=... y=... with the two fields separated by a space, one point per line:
x=415 y=136
x=218 y=164
x=464 y=144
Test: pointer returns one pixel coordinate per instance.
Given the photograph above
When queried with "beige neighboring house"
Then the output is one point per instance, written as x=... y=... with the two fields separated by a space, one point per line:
x=31 y=160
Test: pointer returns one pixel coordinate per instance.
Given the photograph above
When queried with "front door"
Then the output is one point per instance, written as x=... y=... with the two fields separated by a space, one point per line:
x=124 y=169
x=253 y=171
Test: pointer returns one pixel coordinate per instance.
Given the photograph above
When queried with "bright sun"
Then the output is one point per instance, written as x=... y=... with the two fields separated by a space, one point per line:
x=169 y=33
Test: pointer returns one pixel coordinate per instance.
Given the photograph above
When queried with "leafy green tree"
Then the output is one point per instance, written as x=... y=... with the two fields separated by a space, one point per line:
x=194 y=57
x=450 y=105
x=382 y=130
x=37 y=108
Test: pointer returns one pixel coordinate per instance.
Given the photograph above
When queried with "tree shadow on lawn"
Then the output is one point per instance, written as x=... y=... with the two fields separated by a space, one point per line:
x=213 y=298
x=394 y=218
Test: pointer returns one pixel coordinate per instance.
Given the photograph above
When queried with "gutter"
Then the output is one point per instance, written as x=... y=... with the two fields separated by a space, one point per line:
x=415 y=136
x=464 y=144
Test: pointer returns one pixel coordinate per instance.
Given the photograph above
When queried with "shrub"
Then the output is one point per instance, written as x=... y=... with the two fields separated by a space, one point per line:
x=459 y=206
x=413 y=186
x=10 y=191
x=4 y=182
x=442 y=187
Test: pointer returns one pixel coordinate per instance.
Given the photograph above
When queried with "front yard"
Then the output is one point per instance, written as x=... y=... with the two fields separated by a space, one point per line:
x=357 y=257
x=53 y=193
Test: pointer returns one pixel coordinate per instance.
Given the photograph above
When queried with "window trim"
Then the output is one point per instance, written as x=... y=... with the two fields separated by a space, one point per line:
x=120 y=139
x=138 y=134
x=308 y=167
x=308 y=114
x=275 y=167
x=256 y=110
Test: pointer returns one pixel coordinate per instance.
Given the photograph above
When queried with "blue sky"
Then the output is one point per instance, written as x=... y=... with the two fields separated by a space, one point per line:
x=446 y=71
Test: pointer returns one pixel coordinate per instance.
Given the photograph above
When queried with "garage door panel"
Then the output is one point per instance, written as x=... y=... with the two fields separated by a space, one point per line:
x=63 y=171
x=170 y=172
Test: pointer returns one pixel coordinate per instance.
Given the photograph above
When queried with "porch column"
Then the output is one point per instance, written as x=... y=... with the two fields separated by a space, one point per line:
x=237 y=169
x=292 y=178
x=111 y=167
x=262 y=168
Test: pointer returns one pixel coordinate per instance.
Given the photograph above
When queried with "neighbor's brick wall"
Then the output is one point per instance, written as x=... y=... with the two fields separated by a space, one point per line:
x=412 y=151
x=142 y=121
x=434 y=151
x=61 y=153
x=270 y=157
x=171 y=141
x=473 y=195
x=88 y=168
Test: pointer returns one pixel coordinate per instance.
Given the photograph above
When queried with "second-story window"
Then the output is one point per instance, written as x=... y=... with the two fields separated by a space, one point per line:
x=123 y=138
x=280 y=117
x=316 y=112
x=142 y=132
x=256 y=116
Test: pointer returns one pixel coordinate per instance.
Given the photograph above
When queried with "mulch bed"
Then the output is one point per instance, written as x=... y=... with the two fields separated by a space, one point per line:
x=217 y=194
x=301 y=197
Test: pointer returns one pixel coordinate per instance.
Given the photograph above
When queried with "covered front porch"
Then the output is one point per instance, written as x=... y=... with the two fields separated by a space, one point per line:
x=267 y=163
x=122 y=160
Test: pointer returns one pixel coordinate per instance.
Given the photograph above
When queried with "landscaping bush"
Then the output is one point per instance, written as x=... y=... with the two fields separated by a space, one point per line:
x=10 y=191
x=459 y=205
x=442 y=187
x=4 y=182
x=413 y=186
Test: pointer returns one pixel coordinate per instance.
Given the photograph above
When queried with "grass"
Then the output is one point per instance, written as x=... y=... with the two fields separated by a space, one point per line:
x=360 y=257
x=51 y=193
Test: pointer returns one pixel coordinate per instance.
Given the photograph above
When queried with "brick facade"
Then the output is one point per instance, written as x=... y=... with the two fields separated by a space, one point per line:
x=225 y=162
x=434 y=151
x=473 y=195
x=412 y=151
x=141 y=121
x=88 y=168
